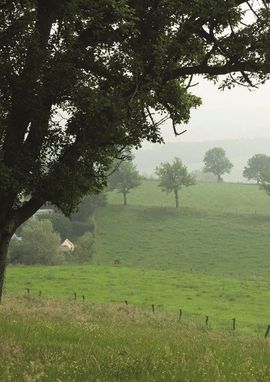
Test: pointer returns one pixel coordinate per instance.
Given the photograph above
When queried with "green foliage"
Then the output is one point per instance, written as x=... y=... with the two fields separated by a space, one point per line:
x=256 y=167
x=39 y=245
x=88 y=206
x=178 y=101
x=81 y=81
x=84 y=248
x=80 y=221
x=265 y=181
x=215 y=161
x=62 y=225
x=124 y=177
x=173 y=177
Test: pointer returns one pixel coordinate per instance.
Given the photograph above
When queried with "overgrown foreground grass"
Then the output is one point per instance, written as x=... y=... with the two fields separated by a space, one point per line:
x=52 y=340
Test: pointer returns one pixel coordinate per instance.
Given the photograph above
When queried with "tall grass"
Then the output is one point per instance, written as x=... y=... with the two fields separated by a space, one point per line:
x=49 y=340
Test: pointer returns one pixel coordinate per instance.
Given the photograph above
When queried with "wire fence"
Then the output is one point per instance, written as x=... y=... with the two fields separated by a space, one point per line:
x=211 y=322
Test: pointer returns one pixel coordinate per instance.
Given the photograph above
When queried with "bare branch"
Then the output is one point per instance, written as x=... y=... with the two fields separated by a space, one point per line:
x=252 y=9
x=175 y=131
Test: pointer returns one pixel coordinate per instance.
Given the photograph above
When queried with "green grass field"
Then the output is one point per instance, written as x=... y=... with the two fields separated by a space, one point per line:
x=223 y=197
x=210 y=257
x=49 y=340
x=208 y=261
x=198 y=295
x=220 y=229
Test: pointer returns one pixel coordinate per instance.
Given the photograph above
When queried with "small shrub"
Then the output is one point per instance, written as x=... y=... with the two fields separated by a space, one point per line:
x=84 y=248
x=39 y=245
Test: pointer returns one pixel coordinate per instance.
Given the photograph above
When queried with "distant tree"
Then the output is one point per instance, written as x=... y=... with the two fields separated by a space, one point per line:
x=79 y=222
x=173 y=177
x=256 y=166
x=217 y=163
x=62 y=225
x=265 y=181
x=84 y=248
x=202 y=176
x=39 y=244
x=88 y=205
x=123 y=178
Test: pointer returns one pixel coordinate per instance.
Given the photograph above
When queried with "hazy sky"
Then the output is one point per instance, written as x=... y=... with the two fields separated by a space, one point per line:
x=229 y=114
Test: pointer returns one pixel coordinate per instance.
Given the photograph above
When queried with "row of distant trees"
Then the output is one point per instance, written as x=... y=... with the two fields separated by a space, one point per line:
x=257 y=168
x=173 y=176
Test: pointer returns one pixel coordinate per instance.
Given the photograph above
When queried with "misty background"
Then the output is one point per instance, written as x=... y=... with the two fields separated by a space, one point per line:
x=237 y=120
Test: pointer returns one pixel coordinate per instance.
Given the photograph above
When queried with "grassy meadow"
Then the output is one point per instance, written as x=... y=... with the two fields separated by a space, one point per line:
x=212 y=260
x=49 y=340
x=210 y=257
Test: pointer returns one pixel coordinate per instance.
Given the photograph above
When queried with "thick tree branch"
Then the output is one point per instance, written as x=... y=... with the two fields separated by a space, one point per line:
x=215 y=70
x=27 y=210
x=24 y=91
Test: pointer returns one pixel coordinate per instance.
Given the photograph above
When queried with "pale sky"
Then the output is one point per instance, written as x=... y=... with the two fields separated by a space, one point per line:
x=230 y=114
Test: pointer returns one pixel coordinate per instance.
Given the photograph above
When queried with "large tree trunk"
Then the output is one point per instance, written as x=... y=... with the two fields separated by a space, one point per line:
x=10 y=220
x=4 y=243
x=176 y=198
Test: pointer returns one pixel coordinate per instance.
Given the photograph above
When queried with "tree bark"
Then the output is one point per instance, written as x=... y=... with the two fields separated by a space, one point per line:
x=125 y=198
x=4 y=243
x=8 y=225
x=176 y=198
x=220 y=178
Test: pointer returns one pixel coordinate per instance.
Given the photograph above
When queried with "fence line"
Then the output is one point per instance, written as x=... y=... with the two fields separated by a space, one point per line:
x=152 y=307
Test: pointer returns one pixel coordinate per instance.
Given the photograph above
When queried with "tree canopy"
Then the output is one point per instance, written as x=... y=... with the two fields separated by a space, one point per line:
x=173 y=176
x=256 y=167
x=216 y=162
x=83 y=79
x=123 y=178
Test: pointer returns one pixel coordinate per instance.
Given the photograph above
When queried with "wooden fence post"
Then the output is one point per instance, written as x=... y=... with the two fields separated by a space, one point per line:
x=206 y=320
x=233 y=324
x=267 y=331
x=153 y=308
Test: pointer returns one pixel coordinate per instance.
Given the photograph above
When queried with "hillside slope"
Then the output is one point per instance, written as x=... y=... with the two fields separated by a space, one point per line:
x=220 y=229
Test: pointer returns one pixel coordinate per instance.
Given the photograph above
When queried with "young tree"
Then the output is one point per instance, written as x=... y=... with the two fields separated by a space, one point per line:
x=215 y=162
x=173 y=177
x=123 y=178
x=81 y=79
x=256 y=166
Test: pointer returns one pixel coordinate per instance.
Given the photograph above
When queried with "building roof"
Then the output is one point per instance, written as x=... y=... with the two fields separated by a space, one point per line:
x=67 y=244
